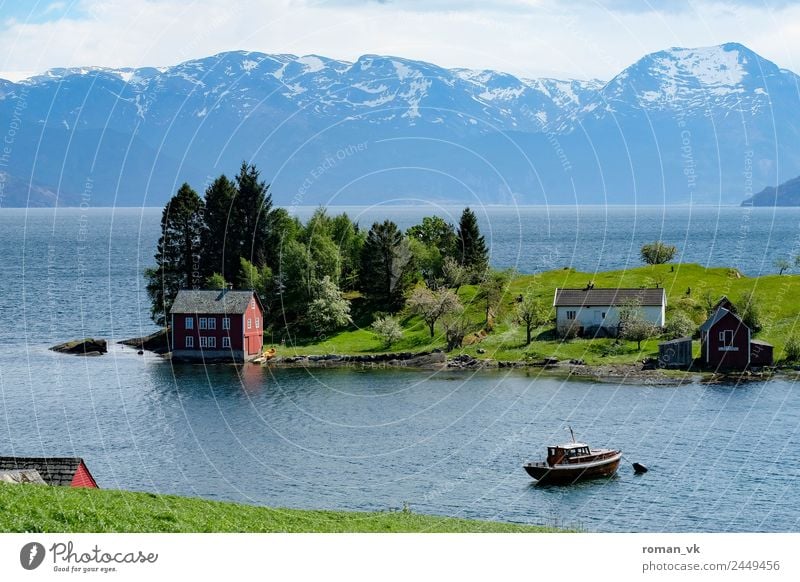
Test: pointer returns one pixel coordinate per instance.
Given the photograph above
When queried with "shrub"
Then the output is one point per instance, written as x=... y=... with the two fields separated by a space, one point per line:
x=388 y=330
x=679 y=325
x=792 y=349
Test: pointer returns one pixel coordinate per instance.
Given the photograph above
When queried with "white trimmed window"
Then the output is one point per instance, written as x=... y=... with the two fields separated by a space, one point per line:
x=189 y=324
x=203 y=341
x=571 y=314
x=212 y=341
x=212 y=323
x=226 y=323
x=249 y=323
x=258 y=322
x=252 y=304
x=203 y=323
x=189 y=341
x=726 y=337
x=226 y=342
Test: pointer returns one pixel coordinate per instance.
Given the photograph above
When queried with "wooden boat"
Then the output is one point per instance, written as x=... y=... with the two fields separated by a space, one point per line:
x=573 y=462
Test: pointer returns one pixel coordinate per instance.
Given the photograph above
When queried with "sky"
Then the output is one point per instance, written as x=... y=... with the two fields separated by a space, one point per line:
x=580 y=39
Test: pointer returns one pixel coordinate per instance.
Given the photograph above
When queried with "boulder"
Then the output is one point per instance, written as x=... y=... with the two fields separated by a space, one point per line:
x=84 y=347
x=157 y=342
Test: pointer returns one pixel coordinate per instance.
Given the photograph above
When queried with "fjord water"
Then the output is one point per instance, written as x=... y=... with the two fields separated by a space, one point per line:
x=722 y=458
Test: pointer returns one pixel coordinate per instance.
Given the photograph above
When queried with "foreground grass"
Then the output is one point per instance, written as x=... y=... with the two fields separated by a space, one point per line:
x=39 y=508
x=689 y=288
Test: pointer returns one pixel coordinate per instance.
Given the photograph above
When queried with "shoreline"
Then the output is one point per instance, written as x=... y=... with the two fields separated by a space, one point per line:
x=605 y=373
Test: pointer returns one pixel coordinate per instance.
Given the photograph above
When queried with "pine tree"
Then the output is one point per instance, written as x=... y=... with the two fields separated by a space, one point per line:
x=472 y=252
x=220 y=244
x=253 y=216
x=178 y=252
x=386 y=265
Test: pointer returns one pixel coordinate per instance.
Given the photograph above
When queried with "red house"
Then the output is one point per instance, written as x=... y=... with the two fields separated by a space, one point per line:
x=209 y=325
x=726 y=342
x=59 y=471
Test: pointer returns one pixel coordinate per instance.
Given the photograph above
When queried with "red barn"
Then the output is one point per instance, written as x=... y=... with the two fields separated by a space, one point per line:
x=216 y=325
x=60 y=471
x=725 y=341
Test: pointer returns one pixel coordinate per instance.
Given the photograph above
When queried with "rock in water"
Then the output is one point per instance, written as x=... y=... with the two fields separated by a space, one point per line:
x=84 y=347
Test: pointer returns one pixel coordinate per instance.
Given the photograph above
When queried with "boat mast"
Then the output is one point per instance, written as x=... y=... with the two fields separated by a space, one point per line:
x=571 y=433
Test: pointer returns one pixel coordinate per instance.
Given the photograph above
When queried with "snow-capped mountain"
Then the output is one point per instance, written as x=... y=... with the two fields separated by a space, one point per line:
x=678 y=125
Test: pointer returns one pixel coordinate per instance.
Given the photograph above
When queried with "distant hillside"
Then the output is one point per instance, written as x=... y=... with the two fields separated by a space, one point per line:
x=18 y=193
x=786 y=194
x=674 y=127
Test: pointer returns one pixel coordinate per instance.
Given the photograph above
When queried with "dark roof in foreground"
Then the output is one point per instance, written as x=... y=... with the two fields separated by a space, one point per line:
x=612 y=296
x=211 y=301
x=53 y=470
x=677 y=340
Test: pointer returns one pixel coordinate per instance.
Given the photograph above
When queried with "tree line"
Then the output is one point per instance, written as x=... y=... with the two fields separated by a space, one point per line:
x=234 y=235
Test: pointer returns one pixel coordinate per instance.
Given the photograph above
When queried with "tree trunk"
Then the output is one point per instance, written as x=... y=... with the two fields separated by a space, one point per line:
x=431 y=325
x=528 y=329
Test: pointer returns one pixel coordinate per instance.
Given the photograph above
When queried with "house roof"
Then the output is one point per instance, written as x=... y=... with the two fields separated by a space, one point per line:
x=760 y=343
x=678 y=340
x=53 y=470
x=610 y=297
x=212 y=301
x=718 y=314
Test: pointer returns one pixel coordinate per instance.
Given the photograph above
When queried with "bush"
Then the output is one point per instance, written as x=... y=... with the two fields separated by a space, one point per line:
x=749 y=309
x=388 y=330
x=679 y=325
x=792 y=349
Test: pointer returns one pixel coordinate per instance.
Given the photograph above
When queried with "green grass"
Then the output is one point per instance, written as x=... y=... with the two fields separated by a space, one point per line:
x=39 y=508
x=778 y=296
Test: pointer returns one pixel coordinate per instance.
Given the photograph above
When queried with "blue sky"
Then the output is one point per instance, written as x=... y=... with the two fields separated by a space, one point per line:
x=577 y=39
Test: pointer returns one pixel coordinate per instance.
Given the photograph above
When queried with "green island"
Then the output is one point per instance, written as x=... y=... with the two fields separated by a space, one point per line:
x=44 y=509
x=775 y=301
x=333 y=287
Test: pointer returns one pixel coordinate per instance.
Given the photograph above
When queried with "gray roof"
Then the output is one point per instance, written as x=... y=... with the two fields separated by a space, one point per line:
x=609 y=297
x=718 y=314
x=53 y=470
x=760 y=342
x=212 y=301
x=678 y=340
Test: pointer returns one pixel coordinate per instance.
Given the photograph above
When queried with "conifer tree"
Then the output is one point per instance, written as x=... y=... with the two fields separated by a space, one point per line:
x=178 y=252
x=253 y=216
x=472 y=252
x=386 y=265
x=220 y=243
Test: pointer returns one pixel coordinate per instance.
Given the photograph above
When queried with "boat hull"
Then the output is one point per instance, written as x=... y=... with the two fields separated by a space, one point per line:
x=566 y=474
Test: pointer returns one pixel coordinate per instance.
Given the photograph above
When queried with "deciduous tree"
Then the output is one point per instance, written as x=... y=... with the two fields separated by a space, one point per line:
x=433 y=305
x=658 y=253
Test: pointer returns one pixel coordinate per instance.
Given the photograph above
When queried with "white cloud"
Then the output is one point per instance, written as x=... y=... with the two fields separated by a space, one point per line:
x=525 y=37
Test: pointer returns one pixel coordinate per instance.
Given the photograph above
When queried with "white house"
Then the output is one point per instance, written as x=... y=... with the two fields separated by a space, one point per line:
x=592 y=311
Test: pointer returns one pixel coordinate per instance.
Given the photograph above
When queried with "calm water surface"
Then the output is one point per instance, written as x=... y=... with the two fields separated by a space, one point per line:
x=722 y=458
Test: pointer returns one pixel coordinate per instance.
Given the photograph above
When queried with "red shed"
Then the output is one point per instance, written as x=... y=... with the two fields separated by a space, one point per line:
x=725 y=341
x=214 y=325
x=62 y=471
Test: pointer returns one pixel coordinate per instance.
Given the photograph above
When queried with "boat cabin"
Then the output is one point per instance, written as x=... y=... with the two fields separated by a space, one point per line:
x=566 y=453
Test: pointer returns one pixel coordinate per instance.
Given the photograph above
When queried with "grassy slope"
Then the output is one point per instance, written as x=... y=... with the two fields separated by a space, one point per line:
x=779 y=297
x=38 y=508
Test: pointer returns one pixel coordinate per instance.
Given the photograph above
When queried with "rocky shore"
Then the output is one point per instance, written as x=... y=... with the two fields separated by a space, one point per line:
x=618 y=373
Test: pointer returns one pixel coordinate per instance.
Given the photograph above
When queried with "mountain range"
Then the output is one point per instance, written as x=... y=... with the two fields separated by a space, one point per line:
x=705 y=125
